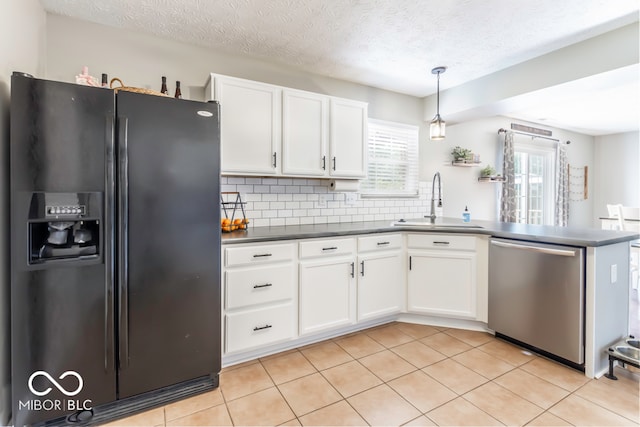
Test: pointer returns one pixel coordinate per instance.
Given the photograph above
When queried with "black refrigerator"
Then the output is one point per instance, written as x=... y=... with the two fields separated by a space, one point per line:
x=115 y=251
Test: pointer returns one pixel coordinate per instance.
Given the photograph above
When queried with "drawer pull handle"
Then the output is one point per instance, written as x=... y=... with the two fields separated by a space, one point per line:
x=266 y=285
x=259 y=328
x=382 y=243
x=262 y=255
x=332 y=248
x=440 y=243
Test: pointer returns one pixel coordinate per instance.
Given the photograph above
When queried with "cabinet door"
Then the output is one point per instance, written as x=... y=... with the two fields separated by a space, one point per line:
x=380 y=284
x=250 y=120
x=304 y=133
x=442 y=283
x=348 y=138
x=327 y=294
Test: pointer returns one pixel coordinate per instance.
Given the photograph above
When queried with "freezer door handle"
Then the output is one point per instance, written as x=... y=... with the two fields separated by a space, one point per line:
x=109 y=232
x=123 y=244
x=539 y=249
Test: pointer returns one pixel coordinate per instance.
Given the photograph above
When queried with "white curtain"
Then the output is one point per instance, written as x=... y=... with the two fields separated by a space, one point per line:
x=508 y=202
x=562 y=191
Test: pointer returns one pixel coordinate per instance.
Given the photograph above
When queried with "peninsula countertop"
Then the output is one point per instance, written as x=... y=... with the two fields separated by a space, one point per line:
x=572 y=236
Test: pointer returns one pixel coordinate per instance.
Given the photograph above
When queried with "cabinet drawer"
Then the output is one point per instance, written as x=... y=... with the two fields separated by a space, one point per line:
x=379 y=242
x=327 y=248
x=258 y=254
x=257 y=285
x=259 y=327
x=441 y=241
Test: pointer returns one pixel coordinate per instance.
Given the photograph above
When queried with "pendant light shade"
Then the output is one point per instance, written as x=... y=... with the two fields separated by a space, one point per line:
x=437 y=128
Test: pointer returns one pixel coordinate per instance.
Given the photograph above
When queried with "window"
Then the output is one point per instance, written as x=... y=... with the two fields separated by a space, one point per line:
x=534 y=183
x=392 y=168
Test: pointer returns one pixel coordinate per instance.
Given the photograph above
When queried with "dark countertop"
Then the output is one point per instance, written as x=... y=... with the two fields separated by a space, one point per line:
x=572 y=236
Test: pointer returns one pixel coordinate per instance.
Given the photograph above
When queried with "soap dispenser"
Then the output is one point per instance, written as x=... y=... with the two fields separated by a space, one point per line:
x=466 y=215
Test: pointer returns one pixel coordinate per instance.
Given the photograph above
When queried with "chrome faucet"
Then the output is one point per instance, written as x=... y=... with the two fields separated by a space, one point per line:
x=432 y=215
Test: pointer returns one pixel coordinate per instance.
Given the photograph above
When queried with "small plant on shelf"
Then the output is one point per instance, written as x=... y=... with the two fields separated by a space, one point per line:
x=460 y=155
x=487 y=172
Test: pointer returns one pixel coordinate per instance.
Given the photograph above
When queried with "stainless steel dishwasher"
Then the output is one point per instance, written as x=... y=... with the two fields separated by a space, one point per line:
x=536 y=296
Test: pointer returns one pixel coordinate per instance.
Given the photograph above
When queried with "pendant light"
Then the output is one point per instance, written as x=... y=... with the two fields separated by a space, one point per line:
x=436 y=130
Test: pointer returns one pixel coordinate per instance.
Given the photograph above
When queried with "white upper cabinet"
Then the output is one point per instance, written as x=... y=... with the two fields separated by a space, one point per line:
x=348 y=139
x=250 y=125
x=272 y=130
x=305 y=132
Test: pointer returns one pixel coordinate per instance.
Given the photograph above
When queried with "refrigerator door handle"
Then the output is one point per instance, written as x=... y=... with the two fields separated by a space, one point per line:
x=123 y=244
x=109 y=232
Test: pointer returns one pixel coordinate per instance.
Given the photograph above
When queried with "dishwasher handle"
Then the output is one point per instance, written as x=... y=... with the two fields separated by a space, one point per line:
x=539 y=249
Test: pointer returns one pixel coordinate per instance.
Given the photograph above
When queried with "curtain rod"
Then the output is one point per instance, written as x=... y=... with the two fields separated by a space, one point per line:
x=529 y=134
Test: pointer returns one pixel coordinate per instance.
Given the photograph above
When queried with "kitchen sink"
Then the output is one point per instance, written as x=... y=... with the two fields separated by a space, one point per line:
x=439 y=223
x=633 y=342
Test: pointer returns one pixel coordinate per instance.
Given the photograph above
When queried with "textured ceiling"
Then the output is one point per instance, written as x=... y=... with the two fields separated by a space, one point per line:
x=394 y=44
x=390 y=44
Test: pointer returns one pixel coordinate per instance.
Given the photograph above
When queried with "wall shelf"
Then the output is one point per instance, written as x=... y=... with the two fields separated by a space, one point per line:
x=463 y=164
x=492 y=180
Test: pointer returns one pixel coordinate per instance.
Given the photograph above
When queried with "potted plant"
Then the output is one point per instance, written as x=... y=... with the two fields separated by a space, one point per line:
x=487 y=171
x=461 y=154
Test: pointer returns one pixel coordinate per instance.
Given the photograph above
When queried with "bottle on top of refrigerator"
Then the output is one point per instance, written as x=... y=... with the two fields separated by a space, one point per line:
x=164 y=89
x=178 y=91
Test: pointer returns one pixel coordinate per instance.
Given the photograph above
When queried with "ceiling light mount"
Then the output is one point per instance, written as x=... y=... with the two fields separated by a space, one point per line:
x=437 y=128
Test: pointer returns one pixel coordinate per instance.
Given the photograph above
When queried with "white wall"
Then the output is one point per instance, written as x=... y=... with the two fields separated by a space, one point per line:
x=22 y=25
x=461 y=186
x=617 y=166
x=140 y=60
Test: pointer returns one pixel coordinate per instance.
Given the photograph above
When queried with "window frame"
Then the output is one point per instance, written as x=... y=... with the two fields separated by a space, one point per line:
x=412 y=175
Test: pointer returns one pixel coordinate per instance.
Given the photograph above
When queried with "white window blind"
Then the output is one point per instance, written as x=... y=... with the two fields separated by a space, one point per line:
x=392 y=168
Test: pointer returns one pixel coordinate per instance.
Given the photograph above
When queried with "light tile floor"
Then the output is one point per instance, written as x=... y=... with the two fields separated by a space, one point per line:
x=405 y=374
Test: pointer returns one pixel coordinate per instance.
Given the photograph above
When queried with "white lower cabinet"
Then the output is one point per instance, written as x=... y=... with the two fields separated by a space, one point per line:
x=381 y=279
x=260 y=303
x=442 y=276
x=327 y=286
x=277 y=292
x=257 y=327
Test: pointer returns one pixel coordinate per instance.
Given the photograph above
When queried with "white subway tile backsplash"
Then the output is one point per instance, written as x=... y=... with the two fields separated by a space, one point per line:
x=292 y=189
x=292 y=221
x=261 y=188
x=276 y=222
x=244 y=189
x=285 y=197
x=293 y=201
x=252 y=197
